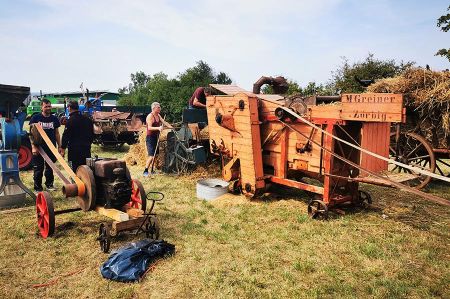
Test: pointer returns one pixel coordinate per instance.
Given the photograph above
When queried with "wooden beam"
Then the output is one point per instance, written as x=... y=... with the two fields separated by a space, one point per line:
x=112 y=213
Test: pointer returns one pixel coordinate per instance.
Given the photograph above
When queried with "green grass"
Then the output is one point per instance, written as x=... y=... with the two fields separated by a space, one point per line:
x=398 y=248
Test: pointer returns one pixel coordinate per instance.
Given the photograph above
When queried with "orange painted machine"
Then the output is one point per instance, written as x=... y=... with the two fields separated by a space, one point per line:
x=334 y=142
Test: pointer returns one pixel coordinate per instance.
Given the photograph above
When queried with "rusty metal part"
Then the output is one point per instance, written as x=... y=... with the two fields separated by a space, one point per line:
x=87 y=200
x=279 y=84
x=317 y=209
x=70 y=190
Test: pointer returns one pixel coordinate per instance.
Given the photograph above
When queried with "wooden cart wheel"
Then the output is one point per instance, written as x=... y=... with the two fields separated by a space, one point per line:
x=152 y=228
x=45 y=214
x=412 y=149
x=104 y=237
x=317 y=209
x=87 y=201
x=138 y=196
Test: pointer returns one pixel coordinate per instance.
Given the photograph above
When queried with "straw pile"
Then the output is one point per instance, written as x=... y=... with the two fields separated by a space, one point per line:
x=427 y=99
x=137 y=155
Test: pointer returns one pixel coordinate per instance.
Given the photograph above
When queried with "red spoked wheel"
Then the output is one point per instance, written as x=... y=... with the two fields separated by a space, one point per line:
x=45 y=214
x=138 y=196
x=25 y=157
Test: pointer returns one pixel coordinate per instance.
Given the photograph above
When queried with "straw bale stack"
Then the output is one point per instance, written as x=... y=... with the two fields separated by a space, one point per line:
x=427 y=99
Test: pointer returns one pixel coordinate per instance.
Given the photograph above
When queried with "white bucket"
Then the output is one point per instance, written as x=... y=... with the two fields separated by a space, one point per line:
x=211 y=188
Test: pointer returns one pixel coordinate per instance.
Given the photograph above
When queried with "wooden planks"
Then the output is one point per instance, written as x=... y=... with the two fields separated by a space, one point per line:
x=372 y=107
x=375 y=137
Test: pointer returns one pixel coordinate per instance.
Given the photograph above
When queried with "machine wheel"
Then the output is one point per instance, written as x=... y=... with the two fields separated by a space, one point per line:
x=104 y=237
x=152 y=228
x=25 y=154
x=412 y=149
x=364 y=199
x=45 y=214
x=87 y=201
x=317 y=209
x=138 y=196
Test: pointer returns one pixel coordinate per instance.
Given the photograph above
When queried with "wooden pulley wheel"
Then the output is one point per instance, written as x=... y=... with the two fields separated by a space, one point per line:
x=35 y=136
x=87 y=201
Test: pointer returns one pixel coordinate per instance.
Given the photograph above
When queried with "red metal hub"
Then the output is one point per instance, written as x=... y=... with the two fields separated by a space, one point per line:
x=45 y=214
x=138 y=197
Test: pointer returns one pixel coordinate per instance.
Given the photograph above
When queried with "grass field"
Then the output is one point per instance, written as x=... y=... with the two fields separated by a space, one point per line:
x=235 y=248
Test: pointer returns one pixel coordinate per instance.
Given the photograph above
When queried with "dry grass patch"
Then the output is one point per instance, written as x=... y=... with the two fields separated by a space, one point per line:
x=235 y=248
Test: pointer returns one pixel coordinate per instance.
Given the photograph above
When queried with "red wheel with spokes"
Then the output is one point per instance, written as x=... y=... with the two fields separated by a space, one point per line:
x=138 y=196
x=45 y=214
x=25 y=156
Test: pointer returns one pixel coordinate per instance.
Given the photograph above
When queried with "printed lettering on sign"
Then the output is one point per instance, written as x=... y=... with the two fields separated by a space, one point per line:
x=372 y=107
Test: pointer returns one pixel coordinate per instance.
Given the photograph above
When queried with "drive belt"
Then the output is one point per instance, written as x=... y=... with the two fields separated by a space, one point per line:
x=81 y=189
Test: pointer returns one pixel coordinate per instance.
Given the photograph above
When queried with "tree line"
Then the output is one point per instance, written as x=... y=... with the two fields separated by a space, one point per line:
x=174 y=93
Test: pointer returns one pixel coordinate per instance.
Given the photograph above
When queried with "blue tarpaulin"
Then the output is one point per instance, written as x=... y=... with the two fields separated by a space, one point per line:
x=129 y=263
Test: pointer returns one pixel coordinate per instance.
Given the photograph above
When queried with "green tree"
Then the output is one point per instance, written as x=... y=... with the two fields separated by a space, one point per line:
x=444 y=23
x=344 y=79
x=172 y=93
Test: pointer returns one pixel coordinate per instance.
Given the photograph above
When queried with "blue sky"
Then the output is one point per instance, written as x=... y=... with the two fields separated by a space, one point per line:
x=53 y=45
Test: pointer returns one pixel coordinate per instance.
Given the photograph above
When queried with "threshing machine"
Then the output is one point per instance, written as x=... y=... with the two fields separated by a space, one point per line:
x=326 y=145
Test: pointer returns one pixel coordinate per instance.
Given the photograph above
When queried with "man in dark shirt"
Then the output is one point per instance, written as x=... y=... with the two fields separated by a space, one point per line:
x=77 y=137
x=198 y=99
x=50 y=124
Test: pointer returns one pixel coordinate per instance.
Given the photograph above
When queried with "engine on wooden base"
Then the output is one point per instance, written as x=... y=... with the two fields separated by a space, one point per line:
x=112 y=180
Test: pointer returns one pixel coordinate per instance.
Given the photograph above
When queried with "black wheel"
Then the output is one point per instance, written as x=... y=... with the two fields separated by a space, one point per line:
x=104 y=237
x=152 y=228
x=317 y=209
x=414 y=150
x=364 y=199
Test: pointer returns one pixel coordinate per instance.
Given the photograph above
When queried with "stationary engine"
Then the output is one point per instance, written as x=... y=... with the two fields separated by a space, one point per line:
x=113 y=182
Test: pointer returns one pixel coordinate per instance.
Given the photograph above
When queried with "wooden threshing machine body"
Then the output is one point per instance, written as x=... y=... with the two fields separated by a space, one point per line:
x=259 y=148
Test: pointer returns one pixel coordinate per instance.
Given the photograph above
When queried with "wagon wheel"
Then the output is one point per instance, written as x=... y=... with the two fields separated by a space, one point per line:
x=443 y=166
x=152 y=228
x=138 y=196
x=87 y=201
x=104 y=237
x=45 y=214
x=412 y=149
x=364 y=199
x=317 y=209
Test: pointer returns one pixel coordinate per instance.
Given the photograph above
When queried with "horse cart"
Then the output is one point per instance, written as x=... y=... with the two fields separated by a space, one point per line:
x=104 y=185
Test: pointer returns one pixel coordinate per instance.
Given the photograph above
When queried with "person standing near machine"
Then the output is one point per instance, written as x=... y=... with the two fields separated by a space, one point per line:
x=77 y=137
x=155 y=124
x=50 y=125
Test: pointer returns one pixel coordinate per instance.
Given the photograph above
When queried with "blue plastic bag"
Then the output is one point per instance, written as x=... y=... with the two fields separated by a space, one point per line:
x=129 y=263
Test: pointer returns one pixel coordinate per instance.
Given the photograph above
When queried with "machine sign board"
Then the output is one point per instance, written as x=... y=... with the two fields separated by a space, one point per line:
x=372 y=107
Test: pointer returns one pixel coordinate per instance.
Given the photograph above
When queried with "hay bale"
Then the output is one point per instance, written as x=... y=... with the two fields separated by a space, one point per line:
x=427 y=99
